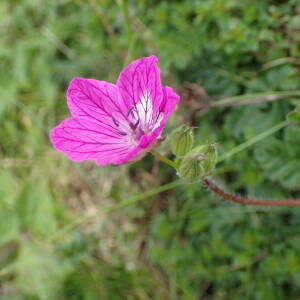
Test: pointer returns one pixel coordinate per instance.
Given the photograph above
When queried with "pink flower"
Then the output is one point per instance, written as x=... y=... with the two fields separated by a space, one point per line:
x=115 y=123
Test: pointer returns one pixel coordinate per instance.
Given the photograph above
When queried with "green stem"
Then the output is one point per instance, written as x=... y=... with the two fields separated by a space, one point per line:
x=280 y=61
x=130 y=201
x=163 y=159
x=127 y=20
x=128 y=28
x=254 y=140
x=254 y=98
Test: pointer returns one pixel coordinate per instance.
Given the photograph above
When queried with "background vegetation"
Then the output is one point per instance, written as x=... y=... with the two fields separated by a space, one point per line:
x=181 y=244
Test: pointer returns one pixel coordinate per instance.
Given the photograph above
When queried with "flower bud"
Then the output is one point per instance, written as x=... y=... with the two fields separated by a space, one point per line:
x=209 y=157
x=198 y=162
x=191 y=168
x=182 y=140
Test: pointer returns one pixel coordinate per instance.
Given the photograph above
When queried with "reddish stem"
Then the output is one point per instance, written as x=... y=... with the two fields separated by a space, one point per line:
x=247 y=201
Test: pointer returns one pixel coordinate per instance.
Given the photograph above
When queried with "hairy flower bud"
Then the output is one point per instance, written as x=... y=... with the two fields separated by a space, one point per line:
x=198 y=163
x=182 y=140
x=209 y=157
x=191 y=168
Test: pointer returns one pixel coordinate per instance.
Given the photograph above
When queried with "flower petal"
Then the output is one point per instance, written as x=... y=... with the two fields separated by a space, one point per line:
x=170 y=100
x=140 y=87
x=115 y=123
x=83 y=139
x=97 y=101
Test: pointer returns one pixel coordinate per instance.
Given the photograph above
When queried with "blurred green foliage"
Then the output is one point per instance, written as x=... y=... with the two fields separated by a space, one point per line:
x=184 y=243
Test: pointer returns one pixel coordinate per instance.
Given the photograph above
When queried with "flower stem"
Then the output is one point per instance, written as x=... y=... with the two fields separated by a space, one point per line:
x=163 y=158
x=254 y=140
x=244 y=200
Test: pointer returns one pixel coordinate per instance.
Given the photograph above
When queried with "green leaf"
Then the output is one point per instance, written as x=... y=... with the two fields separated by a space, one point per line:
x=294 y=116
x=8 y=223
x=251 y=120
x=35 y=208
x=8 y=218
x=39 y=272
x=280 y=159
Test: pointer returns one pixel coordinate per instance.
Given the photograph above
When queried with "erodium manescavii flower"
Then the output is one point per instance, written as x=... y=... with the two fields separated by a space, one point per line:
x=115 y=123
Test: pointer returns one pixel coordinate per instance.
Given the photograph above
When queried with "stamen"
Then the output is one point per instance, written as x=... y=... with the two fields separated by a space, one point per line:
x=115 y=121
x=121 y=132
x=130 y=111
x=136 y=124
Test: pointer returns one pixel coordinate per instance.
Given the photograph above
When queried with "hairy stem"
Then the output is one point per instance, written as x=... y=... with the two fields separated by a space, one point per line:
x=244 y=200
